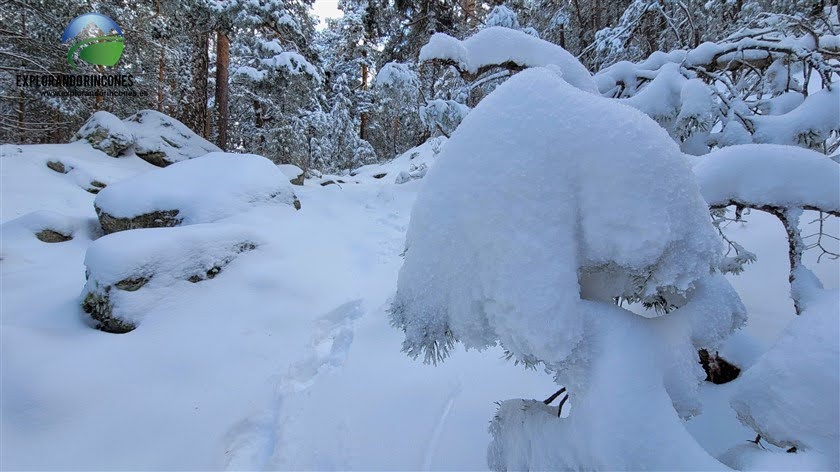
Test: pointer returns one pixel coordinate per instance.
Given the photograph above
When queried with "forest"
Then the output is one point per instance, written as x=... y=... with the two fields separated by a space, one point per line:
x=420 y=235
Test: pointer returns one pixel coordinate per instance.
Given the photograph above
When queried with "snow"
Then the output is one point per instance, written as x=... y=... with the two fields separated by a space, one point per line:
x=204 y=189
x=769 y=174
x=819 y=114
x=456 y=220
x=497 y=45
x=291 y=171
x=780 y=397
x=241 y=371
x=29 y=185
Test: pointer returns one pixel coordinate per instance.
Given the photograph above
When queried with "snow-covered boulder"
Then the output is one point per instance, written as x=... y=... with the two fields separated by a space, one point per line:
x=107 y=133
x=294 y=173
x=162 y=140
x=46 y=226
x=201 y=190
x=129 y=272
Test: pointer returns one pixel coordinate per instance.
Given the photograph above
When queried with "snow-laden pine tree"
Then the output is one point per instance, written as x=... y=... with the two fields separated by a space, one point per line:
x=573 y=204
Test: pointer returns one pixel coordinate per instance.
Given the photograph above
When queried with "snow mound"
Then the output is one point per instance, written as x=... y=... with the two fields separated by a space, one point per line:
x=508 y=248
x=199 y=190
x=106 y=133
x=769 y=174
x=162 y=140
x=782 y=397
x=131 y=271
x=497 y=45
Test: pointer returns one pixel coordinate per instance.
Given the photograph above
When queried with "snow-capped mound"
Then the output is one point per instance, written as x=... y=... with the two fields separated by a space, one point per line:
x=130 y=271
x=769 y=174
x=510 y=246
x=497 y=45
x=107 y=133
x=200 y=190
x=782 y=397
x=163 y=140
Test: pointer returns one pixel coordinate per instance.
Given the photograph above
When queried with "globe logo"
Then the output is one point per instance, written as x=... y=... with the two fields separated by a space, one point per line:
x=105 y=46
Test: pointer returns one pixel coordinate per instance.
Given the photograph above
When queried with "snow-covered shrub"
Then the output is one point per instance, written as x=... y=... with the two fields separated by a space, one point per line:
x=442 y=116
x=573 y=202
x=107 y=133
x=503 y=16
x=129 y=272
x=162 y=140
x=201 y=190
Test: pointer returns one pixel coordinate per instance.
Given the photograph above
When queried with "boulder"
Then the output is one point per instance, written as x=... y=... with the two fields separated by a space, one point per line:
x=162 y=140
x=130 y=272
x=293 y=172
x=107 y=133
x=201 y=190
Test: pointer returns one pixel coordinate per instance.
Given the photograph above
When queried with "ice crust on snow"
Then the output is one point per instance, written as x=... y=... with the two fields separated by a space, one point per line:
x=497 y=45
x=769 y=174
x=205 y=189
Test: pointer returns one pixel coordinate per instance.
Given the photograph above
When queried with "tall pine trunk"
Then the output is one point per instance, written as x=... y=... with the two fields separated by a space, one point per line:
x=222 y=72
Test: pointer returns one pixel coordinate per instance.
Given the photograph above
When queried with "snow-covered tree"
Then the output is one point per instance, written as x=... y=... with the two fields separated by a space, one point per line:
x=566 y=216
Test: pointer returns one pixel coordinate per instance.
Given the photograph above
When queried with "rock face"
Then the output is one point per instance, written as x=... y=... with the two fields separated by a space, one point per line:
x=201 y=190
x=155 y=219
x=52 y=236
x=162 y=140
x=107 y=133
x=129 y=272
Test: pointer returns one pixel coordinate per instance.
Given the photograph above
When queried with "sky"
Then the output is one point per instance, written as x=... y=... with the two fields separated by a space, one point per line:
x=326 y=9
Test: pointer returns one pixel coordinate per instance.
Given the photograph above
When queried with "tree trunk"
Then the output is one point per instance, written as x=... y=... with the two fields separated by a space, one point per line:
x=21 y=118
x=200 y=78
x=222 y=65
x=363 y=125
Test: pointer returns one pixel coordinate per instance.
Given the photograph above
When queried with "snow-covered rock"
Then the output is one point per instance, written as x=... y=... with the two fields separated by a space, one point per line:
x=201 y=190
x=130 y=271
x=769 y=174
x=498 y=45
x=294 y=173
x=107 y=133
x=162 y=140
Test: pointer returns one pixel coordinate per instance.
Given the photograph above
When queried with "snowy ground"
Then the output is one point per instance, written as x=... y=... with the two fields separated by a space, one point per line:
x=286 y=360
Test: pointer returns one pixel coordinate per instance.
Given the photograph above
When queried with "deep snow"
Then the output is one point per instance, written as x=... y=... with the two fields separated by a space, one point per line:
x=286 y=359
